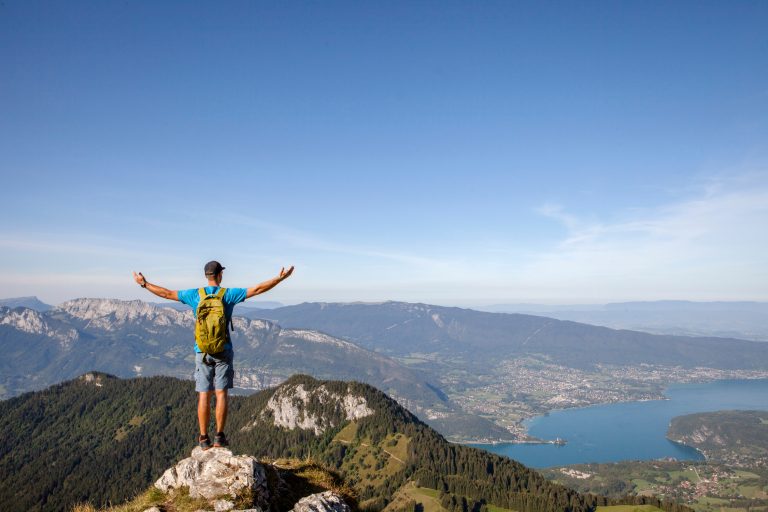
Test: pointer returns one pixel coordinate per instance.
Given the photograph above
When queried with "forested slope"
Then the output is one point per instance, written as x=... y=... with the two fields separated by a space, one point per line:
x=102 y=439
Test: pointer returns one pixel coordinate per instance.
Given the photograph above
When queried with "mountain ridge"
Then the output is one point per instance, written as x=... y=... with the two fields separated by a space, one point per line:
x=399 y=329
x=728 y=319
x=31 y=302
x=112 y=332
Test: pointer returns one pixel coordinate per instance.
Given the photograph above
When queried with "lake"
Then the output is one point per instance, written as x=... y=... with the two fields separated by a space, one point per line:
x=629 y=430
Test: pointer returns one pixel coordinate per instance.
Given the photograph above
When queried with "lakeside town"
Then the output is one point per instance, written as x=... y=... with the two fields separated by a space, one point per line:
x=518 y=389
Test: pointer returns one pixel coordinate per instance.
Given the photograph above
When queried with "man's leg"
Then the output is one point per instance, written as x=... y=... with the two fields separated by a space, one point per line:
x=221 y=409
x=204 y=410
x=204 y=387
x=222 y=383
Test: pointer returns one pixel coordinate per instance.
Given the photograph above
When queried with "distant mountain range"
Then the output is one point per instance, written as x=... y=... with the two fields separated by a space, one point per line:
x=480 y=339
x=25 y=302
x=658 y=305
x=745 y=320
x=131 y=338
x=38 y=305
x=724 y=319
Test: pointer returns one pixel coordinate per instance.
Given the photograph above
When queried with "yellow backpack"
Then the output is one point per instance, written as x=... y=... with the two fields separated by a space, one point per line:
x=212 y=324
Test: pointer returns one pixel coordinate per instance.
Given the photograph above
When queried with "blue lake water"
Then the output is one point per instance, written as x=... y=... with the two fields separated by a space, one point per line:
x=631 y=430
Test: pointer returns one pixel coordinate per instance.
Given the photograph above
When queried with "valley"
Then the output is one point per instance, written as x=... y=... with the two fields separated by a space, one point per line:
x=704 y=486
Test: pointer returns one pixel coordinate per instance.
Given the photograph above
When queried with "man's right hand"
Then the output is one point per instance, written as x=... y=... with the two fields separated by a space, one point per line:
x=284 y=274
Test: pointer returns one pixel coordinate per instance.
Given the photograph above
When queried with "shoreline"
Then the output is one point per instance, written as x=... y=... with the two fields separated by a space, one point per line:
x=528 y=439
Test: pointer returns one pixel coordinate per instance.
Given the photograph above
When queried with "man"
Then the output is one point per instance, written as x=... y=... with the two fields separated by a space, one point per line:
x=213 y=372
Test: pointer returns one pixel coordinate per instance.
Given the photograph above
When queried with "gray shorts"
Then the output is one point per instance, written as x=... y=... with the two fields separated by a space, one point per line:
x=214 y=371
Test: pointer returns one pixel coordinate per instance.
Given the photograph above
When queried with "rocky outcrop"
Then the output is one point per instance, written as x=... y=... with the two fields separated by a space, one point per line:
x=216 y=473
x=34 y=322
x=289 y=407
x=110 y=314
x=223 y=479
x=327 y=501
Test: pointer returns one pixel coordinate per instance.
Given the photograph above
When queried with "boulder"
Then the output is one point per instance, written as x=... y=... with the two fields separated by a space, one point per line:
x=216 y=473
x=327 y=501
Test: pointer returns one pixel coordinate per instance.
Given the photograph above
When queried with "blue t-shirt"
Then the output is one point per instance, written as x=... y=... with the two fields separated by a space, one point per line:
x=231 y=297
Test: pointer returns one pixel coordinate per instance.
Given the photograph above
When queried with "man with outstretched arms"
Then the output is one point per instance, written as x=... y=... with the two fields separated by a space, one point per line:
x=214 y=371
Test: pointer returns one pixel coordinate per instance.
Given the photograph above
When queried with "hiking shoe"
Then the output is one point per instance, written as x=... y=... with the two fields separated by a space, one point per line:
x=220 y=441
x=204 y=442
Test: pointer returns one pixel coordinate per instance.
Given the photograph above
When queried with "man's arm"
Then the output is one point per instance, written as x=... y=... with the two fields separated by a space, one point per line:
x=157 y=290
x=268 y=285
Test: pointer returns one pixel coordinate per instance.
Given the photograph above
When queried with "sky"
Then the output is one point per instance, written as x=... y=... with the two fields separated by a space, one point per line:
x=456 y=153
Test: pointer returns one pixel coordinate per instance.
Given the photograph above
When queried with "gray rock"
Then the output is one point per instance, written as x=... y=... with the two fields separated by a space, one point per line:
x=153 y=509
x=223 y=506
x=327 y=501
x=289 y=404
x=215 y=473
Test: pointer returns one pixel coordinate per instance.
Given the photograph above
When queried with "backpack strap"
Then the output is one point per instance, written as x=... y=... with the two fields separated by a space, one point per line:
x=219 y=294
x=230 y=324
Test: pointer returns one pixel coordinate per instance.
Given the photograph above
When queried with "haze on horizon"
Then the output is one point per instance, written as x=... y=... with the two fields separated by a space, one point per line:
x=439 y=152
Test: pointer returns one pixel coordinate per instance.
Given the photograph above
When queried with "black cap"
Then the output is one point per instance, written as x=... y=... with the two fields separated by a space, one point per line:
x=212 y=268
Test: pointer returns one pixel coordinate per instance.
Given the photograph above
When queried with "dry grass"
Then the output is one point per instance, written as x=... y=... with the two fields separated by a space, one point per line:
x=305 y=477
x=84 y=507
x=316 y=475
x=179 y=501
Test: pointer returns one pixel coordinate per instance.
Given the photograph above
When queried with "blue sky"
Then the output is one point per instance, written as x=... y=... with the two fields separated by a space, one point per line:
x=447 y=152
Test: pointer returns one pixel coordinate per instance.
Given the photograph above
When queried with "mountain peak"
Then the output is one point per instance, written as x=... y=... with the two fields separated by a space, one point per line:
x=33 y=322
x=30 y=302
x=291 y=407
x=108 y=313
x=87 y=309
x=95 y=378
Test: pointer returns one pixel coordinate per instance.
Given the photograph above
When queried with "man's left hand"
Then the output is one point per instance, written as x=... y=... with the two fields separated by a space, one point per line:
x=140 y=279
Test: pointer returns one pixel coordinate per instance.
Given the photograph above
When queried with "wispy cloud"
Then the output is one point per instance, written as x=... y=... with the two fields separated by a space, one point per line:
x=309 y=241
x=711 y=245
x=42 y=243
